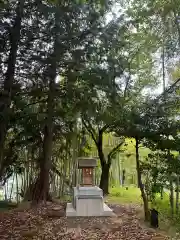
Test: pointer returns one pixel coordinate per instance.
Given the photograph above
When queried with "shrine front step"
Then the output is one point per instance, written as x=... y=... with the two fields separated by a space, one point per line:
x=89 y=209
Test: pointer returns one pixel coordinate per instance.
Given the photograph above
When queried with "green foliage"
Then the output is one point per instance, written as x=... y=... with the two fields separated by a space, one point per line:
x=132 y=195
x=165 y=217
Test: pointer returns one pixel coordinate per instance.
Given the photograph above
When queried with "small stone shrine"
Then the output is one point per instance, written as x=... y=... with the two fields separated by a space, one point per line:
x=87 y=198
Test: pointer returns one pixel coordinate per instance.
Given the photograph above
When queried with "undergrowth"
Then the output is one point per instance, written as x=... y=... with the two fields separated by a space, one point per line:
x=132 y=195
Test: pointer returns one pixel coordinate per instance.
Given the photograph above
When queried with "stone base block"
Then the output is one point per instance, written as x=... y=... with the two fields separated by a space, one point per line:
x=89 y=206
x=89 y=212
x=70 y=211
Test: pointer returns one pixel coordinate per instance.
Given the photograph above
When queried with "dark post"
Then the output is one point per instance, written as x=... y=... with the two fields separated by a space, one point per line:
x=154 y=218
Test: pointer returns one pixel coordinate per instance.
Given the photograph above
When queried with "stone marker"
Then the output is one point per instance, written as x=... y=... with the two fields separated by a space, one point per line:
x=87 y=198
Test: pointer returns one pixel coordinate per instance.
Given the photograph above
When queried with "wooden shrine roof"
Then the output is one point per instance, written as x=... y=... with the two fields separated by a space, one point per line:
x=84 y=162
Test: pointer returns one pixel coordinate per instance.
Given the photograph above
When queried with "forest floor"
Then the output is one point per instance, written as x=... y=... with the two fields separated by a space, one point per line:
x=49 y=222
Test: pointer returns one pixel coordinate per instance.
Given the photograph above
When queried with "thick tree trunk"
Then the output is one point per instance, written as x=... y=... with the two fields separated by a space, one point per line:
x=42 y=189
x=42 y=186
x=105 y=166
x=5 y=97
x=29 y=193
x=104 y=182
x=140 y=184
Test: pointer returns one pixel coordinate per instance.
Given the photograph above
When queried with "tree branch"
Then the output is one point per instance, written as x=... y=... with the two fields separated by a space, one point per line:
x=114 y=150
x=89 y=128
x=55 y=170
x=104 y=128
x=33 y=103
x=127 y=82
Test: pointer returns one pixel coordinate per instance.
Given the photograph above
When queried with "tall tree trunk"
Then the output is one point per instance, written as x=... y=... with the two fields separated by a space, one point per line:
x=163 y=69
x=171 y=196
x=5 y=97
x=119 y=171
x=42 y=187
x=143 y=194
x=176 y=17
x=177 y=194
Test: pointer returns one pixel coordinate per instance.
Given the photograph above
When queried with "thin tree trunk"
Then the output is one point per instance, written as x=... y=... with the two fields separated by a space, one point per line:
x=176 y=16
x=12 y=187
x=119 y=171
x=5 y=98
x=144 y=197
x=177 y=194
x=17 y=188
x=171 y=197
x=163 y=68
x=161 y=192
x=65 y=171
x=31 y=165
x=27 y=181
x=5 y=192
x=74 y=156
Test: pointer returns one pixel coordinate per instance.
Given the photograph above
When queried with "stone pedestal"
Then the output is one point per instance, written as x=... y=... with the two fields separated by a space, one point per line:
x=88 y=201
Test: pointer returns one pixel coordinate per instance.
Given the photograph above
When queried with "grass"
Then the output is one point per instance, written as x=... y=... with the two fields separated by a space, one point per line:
x=121 y=195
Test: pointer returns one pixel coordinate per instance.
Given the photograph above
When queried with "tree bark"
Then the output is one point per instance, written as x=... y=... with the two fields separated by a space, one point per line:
x=42 y=188
x=140 y=184
x=177 y=23
x=105 y=166
x=171 y=188
x=171 y=196
x=5 y=97
x=104 y=181
x=161 y=192
x=28 y=195
x=177 y=194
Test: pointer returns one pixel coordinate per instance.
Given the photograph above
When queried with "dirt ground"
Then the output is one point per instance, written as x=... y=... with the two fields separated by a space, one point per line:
x=49 y=222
